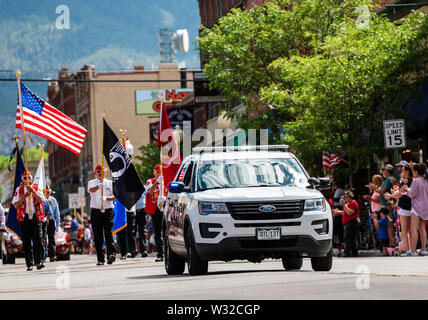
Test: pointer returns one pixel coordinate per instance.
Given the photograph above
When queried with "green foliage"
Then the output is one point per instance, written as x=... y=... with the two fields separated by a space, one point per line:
x=33 y=154
x=4 y=160
x=150 y=156
x=328 y=81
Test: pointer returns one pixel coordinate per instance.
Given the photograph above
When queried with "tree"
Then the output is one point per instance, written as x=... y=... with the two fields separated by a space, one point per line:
x=243 y=45
x=150 y=156
x=329 y=81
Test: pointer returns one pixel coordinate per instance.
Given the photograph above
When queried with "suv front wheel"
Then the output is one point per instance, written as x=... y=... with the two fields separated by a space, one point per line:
x=195 y=264
x=323 y=263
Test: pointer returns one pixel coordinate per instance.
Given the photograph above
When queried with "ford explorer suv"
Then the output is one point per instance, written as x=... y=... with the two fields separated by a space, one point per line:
x=247 y=203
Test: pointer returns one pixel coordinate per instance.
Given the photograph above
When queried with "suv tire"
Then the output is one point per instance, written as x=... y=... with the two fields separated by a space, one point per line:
x=323 y=263
x=174 y=264
x=195 y=264
x=292 y=262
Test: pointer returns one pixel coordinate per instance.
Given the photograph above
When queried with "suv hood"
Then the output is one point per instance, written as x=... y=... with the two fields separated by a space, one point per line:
x=257 y=194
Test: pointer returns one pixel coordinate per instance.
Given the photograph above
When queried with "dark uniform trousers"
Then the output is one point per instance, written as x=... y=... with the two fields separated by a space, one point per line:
x=141 y=227
x=32 y=232
x=44 y=239
x=51 y=239
x=127 y=236
x=102 y=226
x=157 y=228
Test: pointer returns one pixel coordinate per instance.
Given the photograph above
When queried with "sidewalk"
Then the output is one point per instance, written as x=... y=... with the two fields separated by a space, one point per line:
x=362 y=253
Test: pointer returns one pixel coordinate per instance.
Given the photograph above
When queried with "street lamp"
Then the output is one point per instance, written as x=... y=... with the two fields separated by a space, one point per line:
x=223 y=123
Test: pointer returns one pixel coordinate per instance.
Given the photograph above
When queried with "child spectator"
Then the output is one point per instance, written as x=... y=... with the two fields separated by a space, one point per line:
x=382 y=227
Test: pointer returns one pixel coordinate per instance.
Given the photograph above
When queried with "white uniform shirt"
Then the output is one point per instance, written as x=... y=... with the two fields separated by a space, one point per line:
x=29 y=199
x=96 y=196
x=2 y=218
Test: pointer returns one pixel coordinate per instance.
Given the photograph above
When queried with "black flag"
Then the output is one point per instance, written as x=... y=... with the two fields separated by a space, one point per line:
x=127 y=186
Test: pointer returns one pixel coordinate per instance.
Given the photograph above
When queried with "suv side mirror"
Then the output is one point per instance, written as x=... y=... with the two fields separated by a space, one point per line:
x=313 y=182
x=176 y=187
x=324 y=183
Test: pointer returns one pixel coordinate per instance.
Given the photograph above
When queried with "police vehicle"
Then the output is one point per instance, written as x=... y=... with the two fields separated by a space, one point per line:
x=248 y=203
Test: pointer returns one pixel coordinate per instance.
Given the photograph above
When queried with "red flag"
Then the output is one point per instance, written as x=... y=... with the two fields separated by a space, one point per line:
x=170 y=154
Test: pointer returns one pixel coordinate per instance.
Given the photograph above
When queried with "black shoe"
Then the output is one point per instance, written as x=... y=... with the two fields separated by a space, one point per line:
x=144 y=254
x=30 y=268
x=159 y=259
x=40 y=266
x=134 y=254
x=52 y=259
x=122 y=257
x=111 y=259
x=100 y=263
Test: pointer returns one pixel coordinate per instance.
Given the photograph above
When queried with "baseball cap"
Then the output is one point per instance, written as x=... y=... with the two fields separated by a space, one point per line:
x=388 y=167
x=402 y=163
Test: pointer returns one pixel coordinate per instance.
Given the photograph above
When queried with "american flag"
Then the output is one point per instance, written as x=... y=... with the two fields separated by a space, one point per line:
x=330 y=160
x=48 y=122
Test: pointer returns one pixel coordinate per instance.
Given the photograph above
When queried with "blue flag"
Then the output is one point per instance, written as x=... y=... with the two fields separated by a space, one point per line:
x=12 y=223
x=119 y=221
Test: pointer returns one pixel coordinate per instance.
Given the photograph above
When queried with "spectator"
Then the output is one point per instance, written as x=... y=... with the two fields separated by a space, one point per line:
x=337 y=220
x=382 y=229
x=349 y=220
x=404 y=207
x=418 y=193
x=387 y=171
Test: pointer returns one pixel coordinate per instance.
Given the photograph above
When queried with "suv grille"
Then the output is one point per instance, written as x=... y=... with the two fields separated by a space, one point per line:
x=250 y=210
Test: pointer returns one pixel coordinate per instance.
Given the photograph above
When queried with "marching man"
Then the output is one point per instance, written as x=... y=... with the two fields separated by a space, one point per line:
x=102 y=214
x=28 y=201
x=153 y=207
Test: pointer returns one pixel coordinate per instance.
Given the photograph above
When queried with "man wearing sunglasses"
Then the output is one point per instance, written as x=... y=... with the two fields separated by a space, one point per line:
x=102 y=217
x=28 y=201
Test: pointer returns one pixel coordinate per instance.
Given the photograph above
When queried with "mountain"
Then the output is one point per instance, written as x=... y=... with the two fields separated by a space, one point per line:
x=108 y=34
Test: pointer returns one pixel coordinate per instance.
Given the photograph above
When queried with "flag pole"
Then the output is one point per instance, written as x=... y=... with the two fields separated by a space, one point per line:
x=160 y=136
x=102 y=165
x=18 y=76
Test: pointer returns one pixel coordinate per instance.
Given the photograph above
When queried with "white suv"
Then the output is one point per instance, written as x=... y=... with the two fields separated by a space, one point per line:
x=246 y=203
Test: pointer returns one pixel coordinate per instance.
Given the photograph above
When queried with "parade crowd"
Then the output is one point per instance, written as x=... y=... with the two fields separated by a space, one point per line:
x=390 y=216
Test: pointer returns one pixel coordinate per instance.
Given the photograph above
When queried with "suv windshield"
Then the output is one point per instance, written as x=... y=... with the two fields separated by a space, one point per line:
x=250 y=173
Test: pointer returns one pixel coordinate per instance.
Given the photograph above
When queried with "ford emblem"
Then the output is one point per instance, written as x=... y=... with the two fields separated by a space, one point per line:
x=267 y=208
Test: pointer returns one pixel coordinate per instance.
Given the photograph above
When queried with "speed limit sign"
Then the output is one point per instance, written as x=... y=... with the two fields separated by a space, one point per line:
x=394 y=133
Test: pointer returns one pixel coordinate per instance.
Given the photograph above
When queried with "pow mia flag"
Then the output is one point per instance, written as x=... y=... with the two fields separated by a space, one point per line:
x=127 y=186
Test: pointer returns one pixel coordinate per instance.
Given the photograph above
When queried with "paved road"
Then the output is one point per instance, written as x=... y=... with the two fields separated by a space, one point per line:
x=142 y=278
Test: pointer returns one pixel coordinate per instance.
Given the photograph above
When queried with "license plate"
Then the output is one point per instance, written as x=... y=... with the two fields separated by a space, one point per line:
x=268 y=233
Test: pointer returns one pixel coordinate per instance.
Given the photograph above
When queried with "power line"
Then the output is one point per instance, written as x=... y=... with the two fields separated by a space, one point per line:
x=95 y=80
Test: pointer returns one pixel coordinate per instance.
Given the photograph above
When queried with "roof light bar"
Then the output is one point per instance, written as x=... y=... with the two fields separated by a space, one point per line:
x=279 y=147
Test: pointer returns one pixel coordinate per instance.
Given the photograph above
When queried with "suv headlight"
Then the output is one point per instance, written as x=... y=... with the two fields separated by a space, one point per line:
x=315 y=205
x=212 y=208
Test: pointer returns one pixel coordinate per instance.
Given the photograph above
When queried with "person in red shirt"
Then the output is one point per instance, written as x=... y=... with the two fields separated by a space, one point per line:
x=153 y=187
x=350 y=224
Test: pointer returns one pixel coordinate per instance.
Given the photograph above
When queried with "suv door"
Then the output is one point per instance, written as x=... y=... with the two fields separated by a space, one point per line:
x=177 y=204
